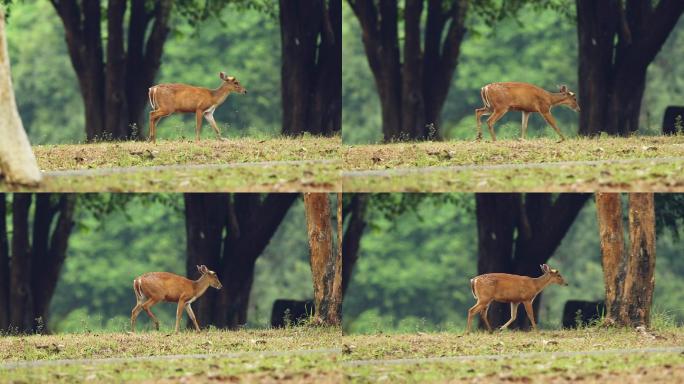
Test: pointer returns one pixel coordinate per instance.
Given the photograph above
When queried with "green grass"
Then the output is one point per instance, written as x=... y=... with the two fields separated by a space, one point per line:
x=348 y=359
x=319 y=173
x=634 y=171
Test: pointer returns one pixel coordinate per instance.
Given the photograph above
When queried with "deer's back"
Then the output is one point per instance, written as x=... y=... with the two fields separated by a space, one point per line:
x=503 y=287
x=182 y=97
x=165 y=286
x=515 y=96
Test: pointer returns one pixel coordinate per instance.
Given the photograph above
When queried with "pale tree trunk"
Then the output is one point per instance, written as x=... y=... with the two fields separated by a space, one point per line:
x=326 y=266
x=629 y=274
x=17 y=163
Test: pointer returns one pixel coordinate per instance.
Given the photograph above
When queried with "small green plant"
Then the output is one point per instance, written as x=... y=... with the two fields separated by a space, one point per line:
x=679 y=125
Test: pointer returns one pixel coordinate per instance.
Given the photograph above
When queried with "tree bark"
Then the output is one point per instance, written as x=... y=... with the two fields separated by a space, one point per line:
x=311 y=35
x=4 y=266
x=17 y=162
x=412 y=92
x=326 y=267
x=617 y=42
x=517 y=233
x=351 y=241
x=21 y=303
x=114 y=90
x=628 y=274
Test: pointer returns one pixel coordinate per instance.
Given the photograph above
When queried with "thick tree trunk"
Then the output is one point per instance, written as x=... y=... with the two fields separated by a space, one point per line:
x=629 y=274
x=640 y=275
x=412 y=92
x=4 y=266
x=516 y=234
x=249 y=221
x=311 y=33
x=617 y=42
x=205 y=219
x=54 y=250
x=351 y=242
x=17 y=163
x=21 y=303
x=326 y=266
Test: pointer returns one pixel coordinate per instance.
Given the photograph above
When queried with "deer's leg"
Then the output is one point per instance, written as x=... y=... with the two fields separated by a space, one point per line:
x=188 y=309
x=514 y=314
x=496 y=115
x=525 y=118
x=134 y=315
x=472 y=312
x=155 y=116
x=478 y=115
x=530 y=313
x=147 y=307
x=552 y=122
x=179 y=313
x=484 y=313
x=198 y=126
x=210 y=118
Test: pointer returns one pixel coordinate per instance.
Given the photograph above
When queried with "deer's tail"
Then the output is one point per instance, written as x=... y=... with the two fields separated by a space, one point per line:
x=485 y=99
x=152 y=93
x=139 y=296
x=472 y=288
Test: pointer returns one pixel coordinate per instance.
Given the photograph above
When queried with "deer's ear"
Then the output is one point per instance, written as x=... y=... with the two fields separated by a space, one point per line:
x=563 y=88
x=222 y=75
x=199 y=269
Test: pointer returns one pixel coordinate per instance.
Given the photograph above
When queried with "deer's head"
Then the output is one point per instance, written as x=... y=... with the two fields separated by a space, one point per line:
x=232 y=83
x=555 y=275
x=211 y=275
x=569 y=99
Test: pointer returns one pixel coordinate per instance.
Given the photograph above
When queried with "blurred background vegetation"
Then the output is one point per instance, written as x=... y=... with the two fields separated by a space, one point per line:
x=242 y=41
x=537 y=46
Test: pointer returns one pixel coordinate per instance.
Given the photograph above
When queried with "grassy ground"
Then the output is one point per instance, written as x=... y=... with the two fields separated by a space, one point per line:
x=506 y=165
x=99 y=162
x=357 y=358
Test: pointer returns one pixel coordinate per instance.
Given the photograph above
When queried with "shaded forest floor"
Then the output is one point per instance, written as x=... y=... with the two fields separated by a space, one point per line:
x=322 y=355
x=251 y=165
x=580 y=164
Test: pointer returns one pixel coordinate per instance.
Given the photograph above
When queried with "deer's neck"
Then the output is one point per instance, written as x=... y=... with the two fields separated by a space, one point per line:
x=541 y=282
x=556 y=98
x=221 y=93
x=200 y=285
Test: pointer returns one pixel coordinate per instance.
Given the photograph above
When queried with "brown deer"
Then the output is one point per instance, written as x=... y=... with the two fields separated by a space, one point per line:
x=507 y=288
x=154 y=287
x=499 y=98
x=167 y=99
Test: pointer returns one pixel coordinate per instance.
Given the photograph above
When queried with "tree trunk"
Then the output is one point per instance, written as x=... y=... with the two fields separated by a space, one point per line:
x=326 y=267
x=205 y=219
x=611 y=233
x=629 y=274
x=617 y=43
x=17 y=163
x=352 y=237
x=21 y=303
x=311 y=34
x=249 y=221
x=53 y=250
x=640 y=275
x=4 y=266
x=517 y=233
x=412 y=92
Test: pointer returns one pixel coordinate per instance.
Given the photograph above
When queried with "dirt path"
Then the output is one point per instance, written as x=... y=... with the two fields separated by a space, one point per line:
x=124 y=170
x=201 y=356
x=457 y=168
x=547 y=355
